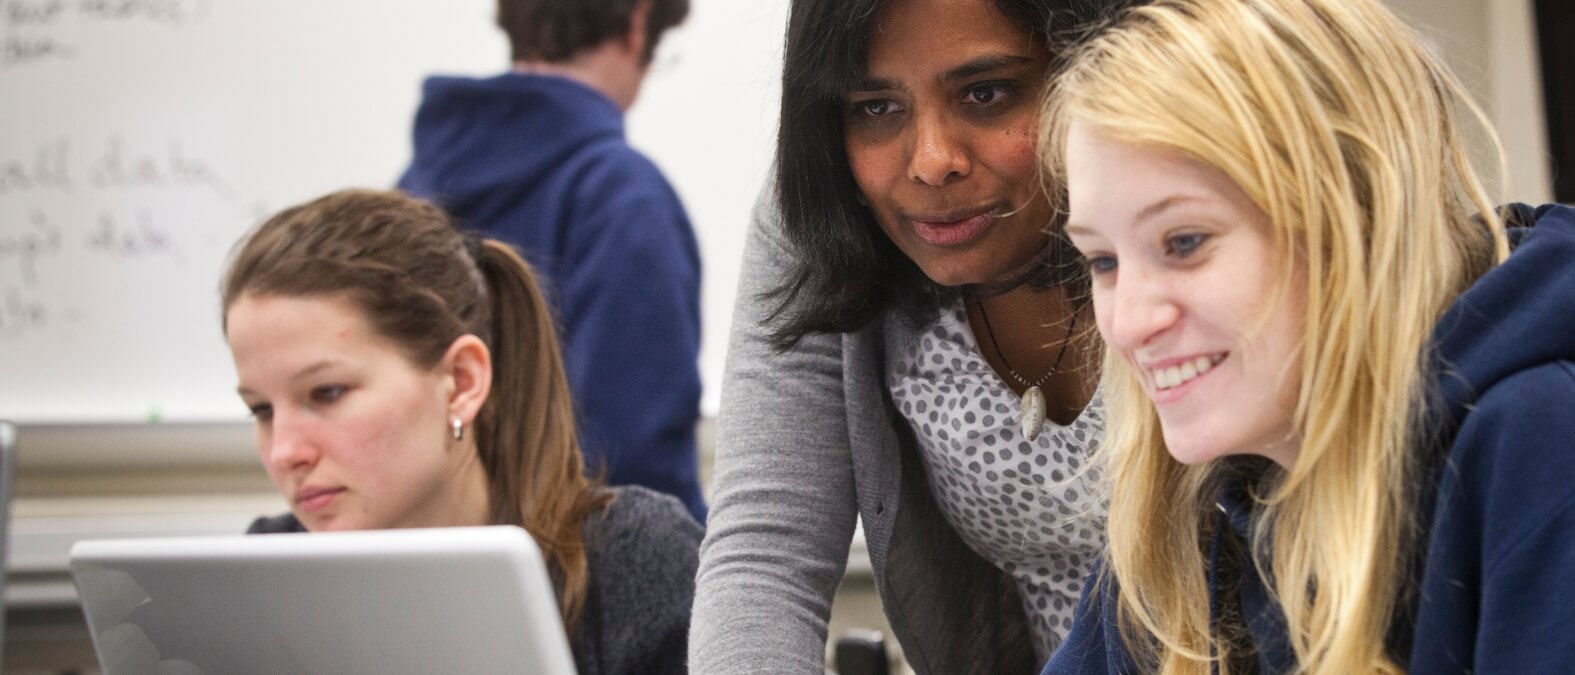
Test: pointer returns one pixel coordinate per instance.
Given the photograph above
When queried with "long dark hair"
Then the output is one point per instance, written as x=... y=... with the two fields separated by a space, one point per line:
x=422 y=284
x=846 y=271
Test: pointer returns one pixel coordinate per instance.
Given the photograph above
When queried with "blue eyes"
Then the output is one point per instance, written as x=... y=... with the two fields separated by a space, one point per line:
x=1183 y=245
x=1178 y=247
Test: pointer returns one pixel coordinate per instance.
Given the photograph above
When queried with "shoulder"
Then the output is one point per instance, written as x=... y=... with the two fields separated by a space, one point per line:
x=617 y=175
x=279 y=524
x=1511 y=458
x=642 y=552
x=645 y=529
x=1524 y=417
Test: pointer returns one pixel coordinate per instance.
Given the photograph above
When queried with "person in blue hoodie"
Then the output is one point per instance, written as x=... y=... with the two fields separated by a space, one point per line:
x=1345 y=380
x=537 y=157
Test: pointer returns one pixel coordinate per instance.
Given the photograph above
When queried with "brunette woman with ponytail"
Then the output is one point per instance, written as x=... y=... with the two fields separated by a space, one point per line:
x=403 y=374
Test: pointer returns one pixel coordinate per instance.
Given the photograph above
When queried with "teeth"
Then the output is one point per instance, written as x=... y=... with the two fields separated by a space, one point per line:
x=1175 y=376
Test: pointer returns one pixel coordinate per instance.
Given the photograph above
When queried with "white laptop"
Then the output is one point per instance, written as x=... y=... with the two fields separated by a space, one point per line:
x=450 y=600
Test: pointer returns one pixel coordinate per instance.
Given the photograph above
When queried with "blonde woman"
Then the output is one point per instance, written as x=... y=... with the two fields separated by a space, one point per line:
x=1345 y=384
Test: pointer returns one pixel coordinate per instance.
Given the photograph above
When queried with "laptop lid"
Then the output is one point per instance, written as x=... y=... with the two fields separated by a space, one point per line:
x=448 y=600
x=7 y=465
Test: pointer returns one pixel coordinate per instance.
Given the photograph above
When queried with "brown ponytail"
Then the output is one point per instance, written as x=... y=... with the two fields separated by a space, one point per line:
x=541 y=486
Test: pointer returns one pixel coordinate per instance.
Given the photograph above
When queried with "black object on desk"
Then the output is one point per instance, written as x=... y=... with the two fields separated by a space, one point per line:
x=861 y=652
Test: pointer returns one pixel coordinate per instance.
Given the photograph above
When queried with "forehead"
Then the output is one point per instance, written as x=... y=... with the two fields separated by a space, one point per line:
x=285 y=329
x=1115 y=184
x=930 y=35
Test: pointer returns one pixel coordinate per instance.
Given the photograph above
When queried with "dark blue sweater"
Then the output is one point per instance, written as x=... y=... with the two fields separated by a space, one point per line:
x=541 y=162
x=1493 y=589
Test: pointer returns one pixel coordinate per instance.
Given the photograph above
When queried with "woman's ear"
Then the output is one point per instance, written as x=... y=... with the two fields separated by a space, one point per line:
x=468 y=365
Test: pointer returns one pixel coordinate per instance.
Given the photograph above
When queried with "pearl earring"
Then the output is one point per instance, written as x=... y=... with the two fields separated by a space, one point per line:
x=458 y=428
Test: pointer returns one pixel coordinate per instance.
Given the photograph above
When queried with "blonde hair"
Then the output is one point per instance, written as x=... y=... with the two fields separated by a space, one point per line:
x=1339 y=125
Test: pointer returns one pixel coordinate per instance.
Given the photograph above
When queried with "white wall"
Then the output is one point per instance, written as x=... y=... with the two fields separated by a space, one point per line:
x=1491 y=46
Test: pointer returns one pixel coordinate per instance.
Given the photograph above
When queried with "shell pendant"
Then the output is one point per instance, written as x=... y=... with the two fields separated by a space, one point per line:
x=1033 y=413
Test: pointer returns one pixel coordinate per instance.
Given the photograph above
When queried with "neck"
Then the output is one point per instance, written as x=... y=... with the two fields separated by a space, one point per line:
x=1025 y=330
x=609 y=68
x=470 y=500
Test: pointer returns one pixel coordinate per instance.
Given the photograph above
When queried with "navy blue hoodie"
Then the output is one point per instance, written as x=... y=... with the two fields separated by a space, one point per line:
x=541 y=162
x=1493 y=593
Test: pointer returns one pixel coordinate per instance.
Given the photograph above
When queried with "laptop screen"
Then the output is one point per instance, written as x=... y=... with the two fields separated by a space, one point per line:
x=460 y=600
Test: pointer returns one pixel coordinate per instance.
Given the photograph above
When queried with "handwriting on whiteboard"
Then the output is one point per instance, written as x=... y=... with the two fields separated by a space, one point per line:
x=30 y=26
x=127 y=188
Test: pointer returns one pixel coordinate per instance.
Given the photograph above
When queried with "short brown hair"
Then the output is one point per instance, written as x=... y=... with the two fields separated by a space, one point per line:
x=423 y=284
x=556 y=30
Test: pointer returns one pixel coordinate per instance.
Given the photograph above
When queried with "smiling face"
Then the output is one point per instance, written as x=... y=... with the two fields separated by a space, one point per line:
x=1185 y=272
x=353 y=434
x=941 y=137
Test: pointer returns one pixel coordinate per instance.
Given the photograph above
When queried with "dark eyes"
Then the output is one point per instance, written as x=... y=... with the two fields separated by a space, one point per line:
x=879 y=107
x=988 y=94
x=327 y=394
x=985 y=94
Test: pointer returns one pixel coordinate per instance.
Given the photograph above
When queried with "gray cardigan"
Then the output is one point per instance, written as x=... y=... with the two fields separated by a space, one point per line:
x=808 y=439
x=640 y=555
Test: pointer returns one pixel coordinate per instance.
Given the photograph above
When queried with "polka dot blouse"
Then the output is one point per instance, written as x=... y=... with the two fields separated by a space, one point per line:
x=1022 y=505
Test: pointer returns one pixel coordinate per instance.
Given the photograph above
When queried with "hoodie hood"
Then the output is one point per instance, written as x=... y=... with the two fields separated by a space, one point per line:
x=1519 y=315
x=481 y=140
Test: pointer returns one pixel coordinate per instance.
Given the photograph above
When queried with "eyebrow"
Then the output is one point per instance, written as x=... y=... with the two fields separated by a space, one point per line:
x=983 y=64
x=1143 y=214
x=315 y=367
x=971 y=68
x=1164 y=205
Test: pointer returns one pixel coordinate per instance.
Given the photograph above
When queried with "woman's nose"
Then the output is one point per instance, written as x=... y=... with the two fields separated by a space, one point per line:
x=1141 y=308
x=939 y=152
x=290 y=443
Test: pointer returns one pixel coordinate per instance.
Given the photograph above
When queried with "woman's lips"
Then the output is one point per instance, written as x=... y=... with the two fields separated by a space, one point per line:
x=314 y=499
x=951 y=230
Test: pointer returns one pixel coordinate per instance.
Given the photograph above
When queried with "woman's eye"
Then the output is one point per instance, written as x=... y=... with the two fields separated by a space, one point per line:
x=262 y=412
x=1183 y=245
x=985 y=94
x=327 y=394
x=876 y=108
x=1100 y=264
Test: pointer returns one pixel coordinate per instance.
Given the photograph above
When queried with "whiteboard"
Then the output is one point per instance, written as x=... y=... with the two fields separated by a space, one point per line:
x=139 y=139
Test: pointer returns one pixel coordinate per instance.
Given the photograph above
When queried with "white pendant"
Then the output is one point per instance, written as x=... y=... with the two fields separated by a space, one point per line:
x=1033 y=413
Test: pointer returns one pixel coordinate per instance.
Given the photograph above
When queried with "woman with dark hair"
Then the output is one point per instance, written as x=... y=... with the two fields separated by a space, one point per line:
x=908 y=349
x=402 y=374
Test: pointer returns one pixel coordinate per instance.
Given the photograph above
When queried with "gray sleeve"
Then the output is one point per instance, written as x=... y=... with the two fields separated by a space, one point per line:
x=783 y=510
